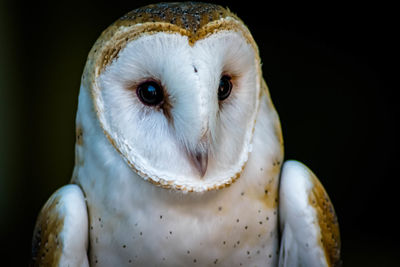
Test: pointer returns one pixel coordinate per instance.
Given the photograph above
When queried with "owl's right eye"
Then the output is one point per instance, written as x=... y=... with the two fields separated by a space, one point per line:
x=150 y=93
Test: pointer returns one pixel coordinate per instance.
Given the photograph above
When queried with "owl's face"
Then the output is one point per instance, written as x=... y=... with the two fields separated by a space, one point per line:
x=179 y=106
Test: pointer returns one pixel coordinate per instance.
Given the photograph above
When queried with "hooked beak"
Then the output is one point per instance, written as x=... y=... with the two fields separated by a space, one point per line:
x=199 y=159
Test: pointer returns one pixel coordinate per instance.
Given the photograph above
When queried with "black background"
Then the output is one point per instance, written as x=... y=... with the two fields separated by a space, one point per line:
x=332 y=71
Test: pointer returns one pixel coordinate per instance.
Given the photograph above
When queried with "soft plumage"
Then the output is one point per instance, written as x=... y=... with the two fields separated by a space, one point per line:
x=192 y=179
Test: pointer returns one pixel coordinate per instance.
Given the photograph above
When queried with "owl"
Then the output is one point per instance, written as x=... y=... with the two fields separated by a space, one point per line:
x=179 y=155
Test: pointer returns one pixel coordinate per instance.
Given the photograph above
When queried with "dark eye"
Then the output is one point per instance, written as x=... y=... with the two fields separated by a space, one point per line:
x=225 y=87
x=150 y=93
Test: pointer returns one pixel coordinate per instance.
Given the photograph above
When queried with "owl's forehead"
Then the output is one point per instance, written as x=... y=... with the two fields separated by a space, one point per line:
x=196 y=21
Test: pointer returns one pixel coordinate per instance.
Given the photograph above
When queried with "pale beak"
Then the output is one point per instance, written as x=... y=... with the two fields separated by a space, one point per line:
x=200 y=160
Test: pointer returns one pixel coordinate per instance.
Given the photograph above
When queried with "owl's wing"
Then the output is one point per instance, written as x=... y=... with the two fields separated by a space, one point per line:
x=60 y=237
x=309 y=226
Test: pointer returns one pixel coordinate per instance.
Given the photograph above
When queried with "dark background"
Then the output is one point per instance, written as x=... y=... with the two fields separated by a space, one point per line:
x=332 y=71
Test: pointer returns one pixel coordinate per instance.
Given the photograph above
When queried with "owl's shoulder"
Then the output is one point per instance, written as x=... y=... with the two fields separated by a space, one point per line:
x=310 y=230
x=60 y=236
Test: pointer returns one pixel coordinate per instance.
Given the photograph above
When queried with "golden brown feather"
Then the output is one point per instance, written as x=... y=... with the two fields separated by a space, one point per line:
x=46 y=246
x=328 y=223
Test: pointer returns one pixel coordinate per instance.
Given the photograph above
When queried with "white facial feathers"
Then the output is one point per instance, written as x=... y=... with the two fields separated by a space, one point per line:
x=228 y=53
x=158 y=143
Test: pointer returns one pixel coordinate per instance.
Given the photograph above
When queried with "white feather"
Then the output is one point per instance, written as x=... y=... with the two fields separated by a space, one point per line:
x=62 y=229
x=125 y=210
x=300 y=244
x=146 y=138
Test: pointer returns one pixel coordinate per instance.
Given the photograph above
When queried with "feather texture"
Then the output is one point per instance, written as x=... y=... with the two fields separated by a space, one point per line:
x=61 y=233
x=226 y=214
x=310 y=231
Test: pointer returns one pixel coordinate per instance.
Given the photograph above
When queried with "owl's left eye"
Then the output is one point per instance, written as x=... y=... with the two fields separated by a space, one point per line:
x=150 y=93
x=225 y=87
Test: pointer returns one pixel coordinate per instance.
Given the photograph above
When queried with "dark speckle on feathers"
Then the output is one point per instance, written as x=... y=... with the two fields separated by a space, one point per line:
x=328 y=223
x=46 y=248
x=188 y=15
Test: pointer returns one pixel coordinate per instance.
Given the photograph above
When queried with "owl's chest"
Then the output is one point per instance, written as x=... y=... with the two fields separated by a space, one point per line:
x=150 y=226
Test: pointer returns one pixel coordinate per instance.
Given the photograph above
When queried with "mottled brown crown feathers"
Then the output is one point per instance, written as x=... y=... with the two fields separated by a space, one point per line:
x=190 y=16
x=196 y=21
x=192 y=19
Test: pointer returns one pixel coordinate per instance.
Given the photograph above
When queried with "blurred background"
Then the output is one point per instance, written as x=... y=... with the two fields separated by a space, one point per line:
x=332 y=71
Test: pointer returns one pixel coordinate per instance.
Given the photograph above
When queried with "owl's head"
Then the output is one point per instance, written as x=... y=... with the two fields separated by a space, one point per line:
x=176 y=88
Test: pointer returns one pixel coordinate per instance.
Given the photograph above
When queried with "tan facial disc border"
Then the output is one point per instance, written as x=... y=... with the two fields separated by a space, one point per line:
x=118 y=35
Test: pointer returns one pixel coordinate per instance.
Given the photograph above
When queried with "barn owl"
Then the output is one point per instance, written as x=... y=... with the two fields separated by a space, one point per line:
x=179 y=155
